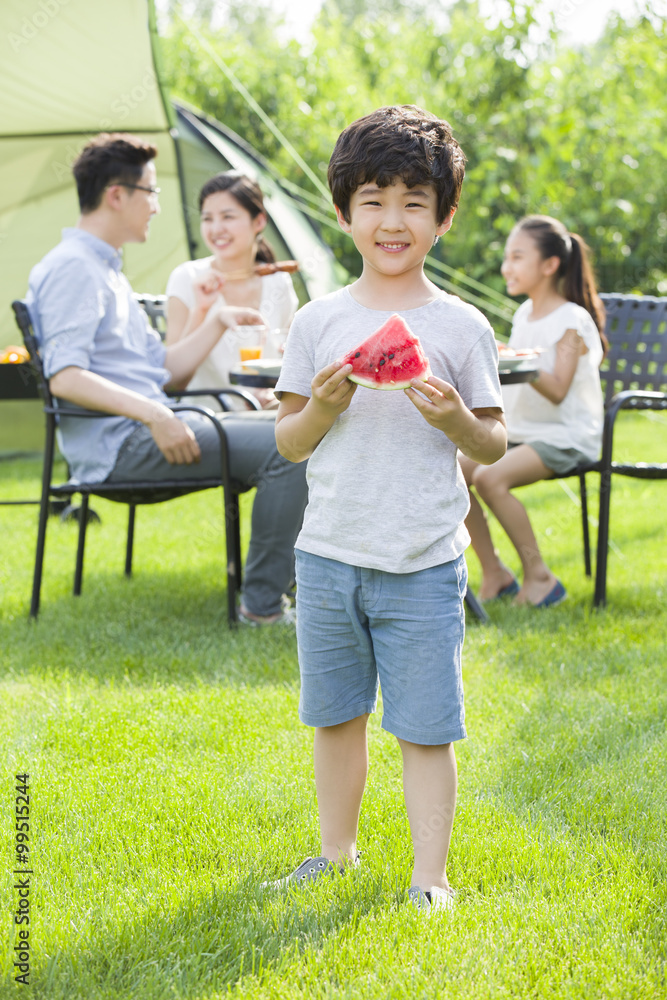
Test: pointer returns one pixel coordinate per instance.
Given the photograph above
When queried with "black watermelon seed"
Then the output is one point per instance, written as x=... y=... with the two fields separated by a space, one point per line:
x=358 y=354
x=391 y=356
x=382 y=361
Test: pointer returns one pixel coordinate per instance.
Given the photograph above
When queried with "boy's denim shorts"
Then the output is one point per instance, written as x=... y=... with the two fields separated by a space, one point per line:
x=357 y=627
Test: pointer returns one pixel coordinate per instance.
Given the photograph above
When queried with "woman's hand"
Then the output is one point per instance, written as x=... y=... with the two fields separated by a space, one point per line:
x=207 y=287
x=233 y=316
x=266 y=397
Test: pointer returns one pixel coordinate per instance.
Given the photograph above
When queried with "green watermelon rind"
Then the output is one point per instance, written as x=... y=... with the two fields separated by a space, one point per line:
x=388 y=387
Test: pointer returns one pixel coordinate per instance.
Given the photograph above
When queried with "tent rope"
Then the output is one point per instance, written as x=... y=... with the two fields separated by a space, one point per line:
x=250 y=100
x=489 y=299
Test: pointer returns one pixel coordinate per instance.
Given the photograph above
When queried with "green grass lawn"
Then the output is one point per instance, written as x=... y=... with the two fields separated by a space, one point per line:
x=170 y=775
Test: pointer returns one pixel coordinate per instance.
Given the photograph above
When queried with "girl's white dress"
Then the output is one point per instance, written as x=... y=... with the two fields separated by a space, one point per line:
x=577 y=421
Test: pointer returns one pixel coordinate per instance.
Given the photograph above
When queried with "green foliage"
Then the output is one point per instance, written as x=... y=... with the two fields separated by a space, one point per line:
x=572 y=132
x=599 y=140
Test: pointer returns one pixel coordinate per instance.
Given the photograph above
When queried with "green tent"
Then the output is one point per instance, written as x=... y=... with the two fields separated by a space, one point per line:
x=68 y=70
x=72 y=68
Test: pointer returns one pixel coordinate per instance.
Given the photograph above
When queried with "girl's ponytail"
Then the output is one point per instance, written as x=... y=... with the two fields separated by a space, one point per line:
x=579 y=284
x=574 y=272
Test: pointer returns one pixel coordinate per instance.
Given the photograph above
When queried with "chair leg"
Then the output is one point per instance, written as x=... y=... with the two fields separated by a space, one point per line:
x=600 y=597
x=39 y=559
x=83 y=524
x=474 y=606
x=238 y=561
x=233 y=545
x=584 y=522
x=132 y=509
x=47 y=469
x=39 y=553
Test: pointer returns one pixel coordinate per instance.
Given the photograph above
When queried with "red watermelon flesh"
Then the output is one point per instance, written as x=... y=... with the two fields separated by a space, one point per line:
x=389 y=358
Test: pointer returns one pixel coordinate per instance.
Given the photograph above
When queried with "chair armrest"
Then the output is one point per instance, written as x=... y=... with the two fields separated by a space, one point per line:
x=218 y=394
x=224 y=447
x=626 y=400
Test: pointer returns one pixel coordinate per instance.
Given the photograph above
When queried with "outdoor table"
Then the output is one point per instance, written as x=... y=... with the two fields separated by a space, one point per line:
x=261 y=380
x=18 y=382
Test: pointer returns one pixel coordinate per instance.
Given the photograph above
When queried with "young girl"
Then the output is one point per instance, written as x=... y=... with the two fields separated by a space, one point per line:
x=232 y=220
x=553 y=423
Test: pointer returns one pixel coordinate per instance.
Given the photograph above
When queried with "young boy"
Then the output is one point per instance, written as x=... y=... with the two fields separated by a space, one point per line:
x=381 y=575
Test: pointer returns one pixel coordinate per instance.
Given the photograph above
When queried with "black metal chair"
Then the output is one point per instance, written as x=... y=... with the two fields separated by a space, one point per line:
x=131 y=493
x=155 y=308
x=634 y=377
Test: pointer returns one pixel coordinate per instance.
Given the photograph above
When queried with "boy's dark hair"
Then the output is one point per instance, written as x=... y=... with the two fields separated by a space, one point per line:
x=109 y=158
x=248 y=194
x=399 y=143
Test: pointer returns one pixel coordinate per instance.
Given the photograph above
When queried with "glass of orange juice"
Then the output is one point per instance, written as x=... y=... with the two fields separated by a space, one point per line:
x=250 y=340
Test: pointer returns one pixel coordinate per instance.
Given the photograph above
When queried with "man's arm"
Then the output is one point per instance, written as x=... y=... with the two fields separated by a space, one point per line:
x=93 y=392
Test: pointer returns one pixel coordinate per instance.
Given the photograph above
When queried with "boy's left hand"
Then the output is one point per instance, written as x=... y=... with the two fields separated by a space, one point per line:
x=438 y=402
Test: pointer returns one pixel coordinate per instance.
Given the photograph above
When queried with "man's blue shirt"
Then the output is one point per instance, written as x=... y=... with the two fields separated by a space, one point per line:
x=85 y=315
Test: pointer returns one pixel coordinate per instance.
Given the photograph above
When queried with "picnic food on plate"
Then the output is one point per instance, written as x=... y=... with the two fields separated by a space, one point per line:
x=521 y=352
x=13 y=355
x=389 y=358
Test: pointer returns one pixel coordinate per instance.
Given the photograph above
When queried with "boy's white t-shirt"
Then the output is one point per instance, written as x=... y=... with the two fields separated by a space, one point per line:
x=577 y=421
x=277 y=305
x=385 y=490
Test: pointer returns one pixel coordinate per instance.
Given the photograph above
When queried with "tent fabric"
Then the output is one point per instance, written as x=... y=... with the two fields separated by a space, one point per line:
x=77 y=66
x=207 y=147
x=70 y=69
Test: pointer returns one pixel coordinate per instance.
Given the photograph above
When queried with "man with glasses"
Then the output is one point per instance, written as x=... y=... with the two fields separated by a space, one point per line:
x=99 y=353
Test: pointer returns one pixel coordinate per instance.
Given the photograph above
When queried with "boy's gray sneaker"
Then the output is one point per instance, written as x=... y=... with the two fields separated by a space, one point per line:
x=308 y=871
x=433 y=899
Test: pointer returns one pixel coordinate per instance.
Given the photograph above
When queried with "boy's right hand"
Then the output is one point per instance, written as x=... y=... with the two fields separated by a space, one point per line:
x=332 y=391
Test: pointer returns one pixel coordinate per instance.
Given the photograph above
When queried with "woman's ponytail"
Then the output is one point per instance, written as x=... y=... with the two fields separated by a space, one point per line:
x=265 y=254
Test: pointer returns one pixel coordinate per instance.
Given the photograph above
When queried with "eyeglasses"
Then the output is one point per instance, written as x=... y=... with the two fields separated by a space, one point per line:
x=141 y=187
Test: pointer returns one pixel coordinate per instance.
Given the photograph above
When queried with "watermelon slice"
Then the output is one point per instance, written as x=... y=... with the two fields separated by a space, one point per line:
x=389 y=358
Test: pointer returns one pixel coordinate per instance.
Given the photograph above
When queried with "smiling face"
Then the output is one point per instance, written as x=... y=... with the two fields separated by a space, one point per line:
x=393 y=227
x=228 y=229
x=524 y=269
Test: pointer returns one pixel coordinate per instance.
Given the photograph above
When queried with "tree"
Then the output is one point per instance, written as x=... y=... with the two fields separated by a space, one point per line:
x=573 y=133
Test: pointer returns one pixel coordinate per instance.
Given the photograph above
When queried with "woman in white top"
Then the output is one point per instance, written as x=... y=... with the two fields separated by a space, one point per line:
x=232 y=220
x=553 y=423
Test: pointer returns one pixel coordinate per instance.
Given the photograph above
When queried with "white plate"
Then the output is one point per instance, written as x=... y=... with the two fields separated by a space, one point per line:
x=262 y=366
x=512 y=363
